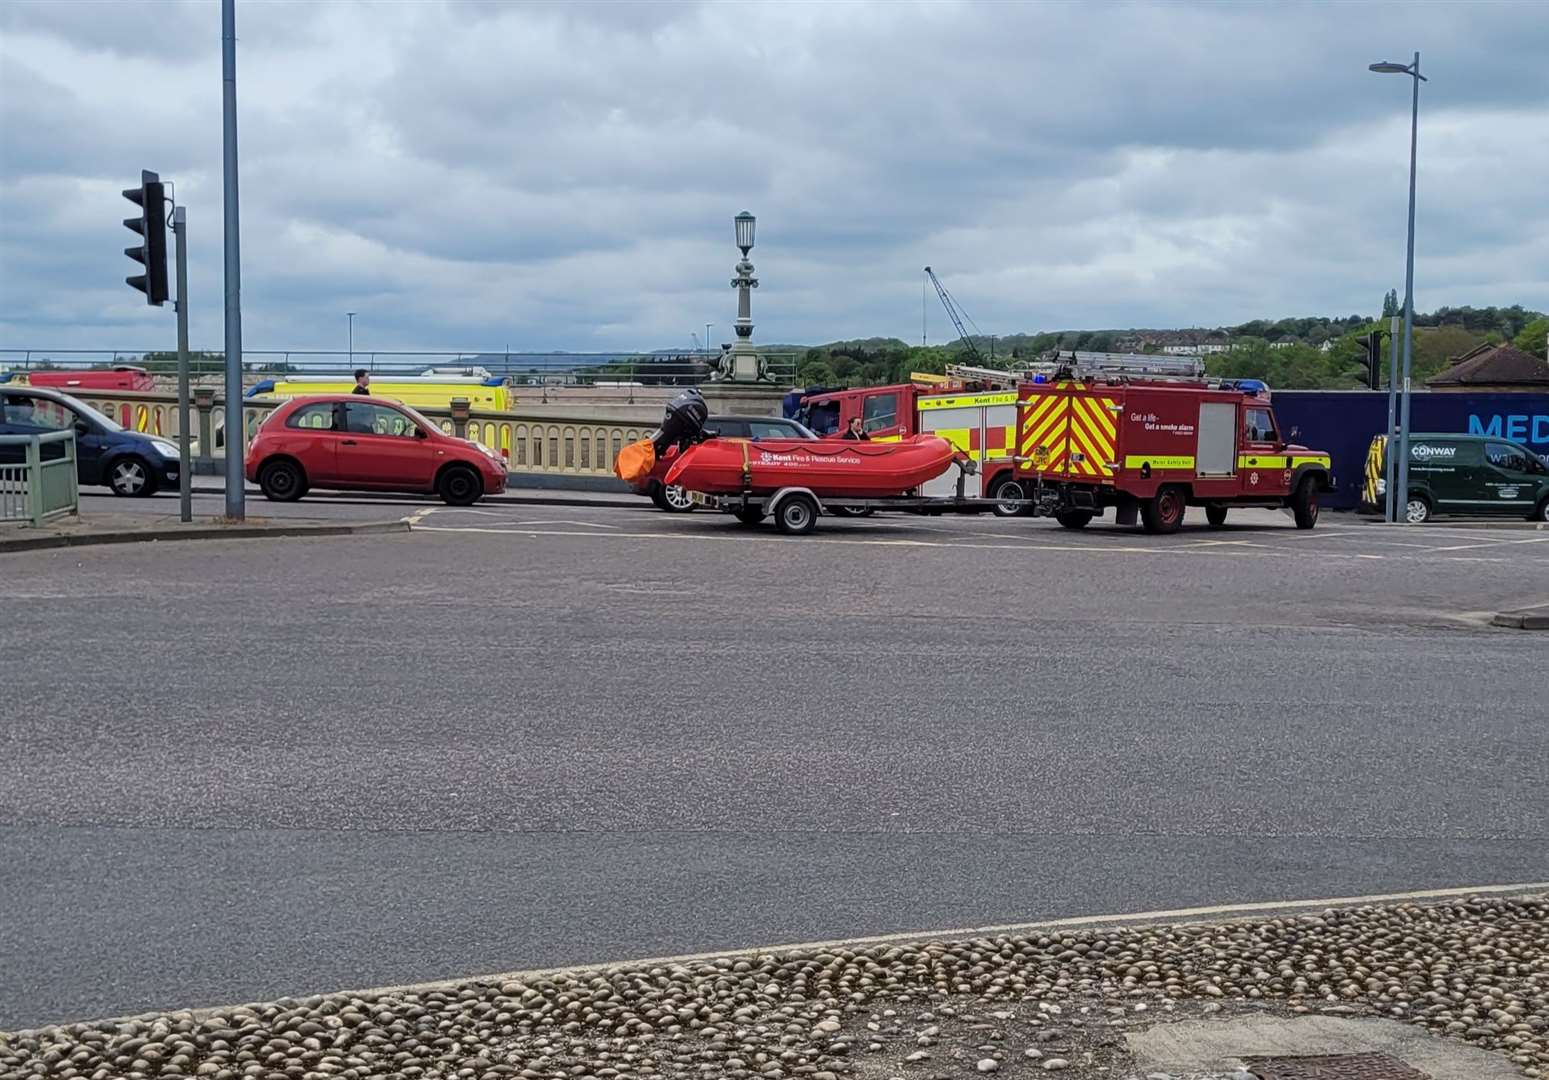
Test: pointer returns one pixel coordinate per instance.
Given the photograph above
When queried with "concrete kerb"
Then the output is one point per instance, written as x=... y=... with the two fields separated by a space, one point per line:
x=1213 y=916
x=1521 y=620
x=198 y=532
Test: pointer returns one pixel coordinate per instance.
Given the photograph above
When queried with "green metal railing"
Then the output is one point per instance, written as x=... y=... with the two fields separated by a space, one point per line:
x=42 y=484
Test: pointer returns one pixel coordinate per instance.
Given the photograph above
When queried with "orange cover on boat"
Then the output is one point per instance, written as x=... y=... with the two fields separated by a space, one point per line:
x=635 y=461
x=832 y=467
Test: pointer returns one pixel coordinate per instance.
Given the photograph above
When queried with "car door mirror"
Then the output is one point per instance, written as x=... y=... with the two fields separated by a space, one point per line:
x=82 y=428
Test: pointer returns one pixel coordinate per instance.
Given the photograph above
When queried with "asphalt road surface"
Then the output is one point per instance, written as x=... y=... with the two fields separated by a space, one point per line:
x=523 y=735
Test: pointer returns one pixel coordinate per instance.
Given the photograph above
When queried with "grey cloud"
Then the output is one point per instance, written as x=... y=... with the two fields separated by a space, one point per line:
x=563 y=174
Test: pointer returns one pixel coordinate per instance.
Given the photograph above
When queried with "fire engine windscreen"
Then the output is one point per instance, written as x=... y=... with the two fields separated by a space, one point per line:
x=683 y=423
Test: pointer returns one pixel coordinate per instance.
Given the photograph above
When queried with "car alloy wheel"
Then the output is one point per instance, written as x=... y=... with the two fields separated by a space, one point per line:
x=677 y=498
x=129 y=477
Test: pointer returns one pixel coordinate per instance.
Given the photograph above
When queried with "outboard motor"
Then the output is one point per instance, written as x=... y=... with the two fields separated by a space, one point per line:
x=684 y=423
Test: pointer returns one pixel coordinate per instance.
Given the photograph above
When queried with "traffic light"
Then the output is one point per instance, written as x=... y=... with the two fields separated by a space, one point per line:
x=1371 y=346
x=151 y=227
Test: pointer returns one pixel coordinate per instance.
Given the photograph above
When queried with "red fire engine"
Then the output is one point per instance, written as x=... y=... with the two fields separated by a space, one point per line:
x=1151 y=436
x=1147 y=435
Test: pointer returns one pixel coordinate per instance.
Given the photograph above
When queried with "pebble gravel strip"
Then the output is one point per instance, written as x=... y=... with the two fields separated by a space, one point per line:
x=1476 y=970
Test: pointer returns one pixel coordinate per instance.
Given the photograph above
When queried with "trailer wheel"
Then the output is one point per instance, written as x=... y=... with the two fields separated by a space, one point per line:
x=1216 y=516
x=797 y=515
x=1010 y=490
x=1074 y=519
x=1163 y=512
x=1304 y=504
x=749 y=515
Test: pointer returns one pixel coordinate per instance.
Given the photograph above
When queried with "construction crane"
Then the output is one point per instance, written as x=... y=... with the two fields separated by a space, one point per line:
x=953 y=314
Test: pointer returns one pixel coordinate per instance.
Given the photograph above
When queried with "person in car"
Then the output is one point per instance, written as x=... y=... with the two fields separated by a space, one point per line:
x=855 y=432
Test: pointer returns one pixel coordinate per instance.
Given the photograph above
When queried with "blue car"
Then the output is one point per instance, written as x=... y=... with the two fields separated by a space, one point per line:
x=106 y=453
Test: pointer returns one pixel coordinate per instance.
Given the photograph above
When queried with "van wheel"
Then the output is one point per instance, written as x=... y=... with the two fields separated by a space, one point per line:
x=1304 y=504
x=1010 y=490
x=1074 y=519
x=282 y=481
x=131 y=477
x=797 y=515
x=1417 y=511
x=1215 y=516
x=673 y=500
x=1163 y=512
x=459 y=486
x=1542 y=513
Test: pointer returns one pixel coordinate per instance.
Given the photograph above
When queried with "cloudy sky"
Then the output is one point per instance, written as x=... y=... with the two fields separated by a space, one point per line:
x=467 y=174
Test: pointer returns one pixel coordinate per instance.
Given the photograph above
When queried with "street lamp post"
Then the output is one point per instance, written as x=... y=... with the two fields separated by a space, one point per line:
x=709 y=349
x=1387 y=67
x=743 y=362
x=351 y=316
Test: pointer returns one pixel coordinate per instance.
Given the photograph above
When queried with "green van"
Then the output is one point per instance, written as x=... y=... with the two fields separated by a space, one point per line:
x=1465 y=474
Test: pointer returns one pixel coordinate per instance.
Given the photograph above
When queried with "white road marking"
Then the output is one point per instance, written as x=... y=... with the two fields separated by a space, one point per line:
x=1214 y=912
x=418 y=516
x=1495 y=543
x=1257 y=551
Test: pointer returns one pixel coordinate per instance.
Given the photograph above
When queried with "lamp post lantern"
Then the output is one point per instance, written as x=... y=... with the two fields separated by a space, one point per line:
x=1388 y=67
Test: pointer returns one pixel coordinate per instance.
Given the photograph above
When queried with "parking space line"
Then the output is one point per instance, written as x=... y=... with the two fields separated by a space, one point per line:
x=1253 y=551
x=1495 y=543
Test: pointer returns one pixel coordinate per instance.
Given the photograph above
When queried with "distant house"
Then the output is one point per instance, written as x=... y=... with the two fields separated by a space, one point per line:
x=1193 y=350
x=1493 y=367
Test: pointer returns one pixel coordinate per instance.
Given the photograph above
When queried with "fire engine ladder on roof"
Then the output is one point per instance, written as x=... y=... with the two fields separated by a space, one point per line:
x=1088 y=365
x=995 y=378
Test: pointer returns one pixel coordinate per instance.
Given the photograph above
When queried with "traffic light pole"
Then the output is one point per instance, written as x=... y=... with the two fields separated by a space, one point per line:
x=1390 y=446
x=185 y=487
x=235 y=433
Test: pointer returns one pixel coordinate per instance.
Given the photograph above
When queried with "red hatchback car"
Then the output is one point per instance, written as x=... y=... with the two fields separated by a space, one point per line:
x=356 y=443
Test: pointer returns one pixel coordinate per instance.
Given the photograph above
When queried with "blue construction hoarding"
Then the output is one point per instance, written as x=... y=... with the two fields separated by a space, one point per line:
x=1343 y=422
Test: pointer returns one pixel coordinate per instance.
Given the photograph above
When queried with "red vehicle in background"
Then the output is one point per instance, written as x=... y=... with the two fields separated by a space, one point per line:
x=123 y=377
x=347 y=442
x=975 y=410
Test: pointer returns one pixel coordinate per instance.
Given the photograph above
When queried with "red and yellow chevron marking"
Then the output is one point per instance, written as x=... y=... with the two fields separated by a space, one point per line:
x=1093 y=437
x=1044 y=431
x=1070 y=433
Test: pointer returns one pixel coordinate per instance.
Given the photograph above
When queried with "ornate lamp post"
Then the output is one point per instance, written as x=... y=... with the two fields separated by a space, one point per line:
x=742 y=363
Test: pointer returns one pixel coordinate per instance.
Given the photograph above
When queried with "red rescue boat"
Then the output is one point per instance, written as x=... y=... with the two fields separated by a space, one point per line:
x=827 y=467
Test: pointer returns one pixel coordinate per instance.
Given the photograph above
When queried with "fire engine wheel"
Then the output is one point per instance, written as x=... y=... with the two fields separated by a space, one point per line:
x=797 y=515
x=1163 y=512
x=1012 y=494
x=1074 y=519
x=1304 y=504
x=1216 y=516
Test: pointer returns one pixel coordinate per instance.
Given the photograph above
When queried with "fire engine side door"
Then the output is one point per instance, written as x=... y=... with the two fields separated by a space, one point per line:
x=962 y=425
x=1261 y=462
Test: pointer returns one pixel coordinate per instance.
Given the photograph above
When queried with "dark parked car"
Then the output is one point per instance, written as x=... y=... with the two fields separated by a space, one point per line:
x=674 y=499
x=106 y=453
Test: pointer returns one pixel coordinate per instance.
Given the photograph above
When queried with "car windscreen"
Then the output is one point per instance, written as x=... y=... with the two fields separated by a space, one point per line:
x=87 y=412
x=823 y=418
